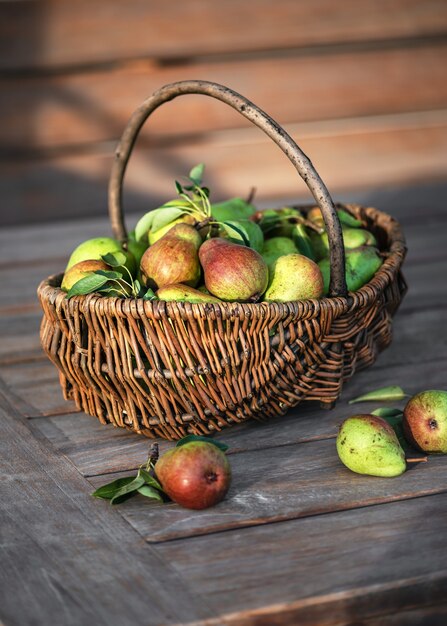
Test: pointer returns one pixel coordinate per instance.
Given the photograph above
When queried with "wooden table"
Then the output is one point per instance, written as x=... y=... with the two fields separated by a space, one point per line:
x=298 y=540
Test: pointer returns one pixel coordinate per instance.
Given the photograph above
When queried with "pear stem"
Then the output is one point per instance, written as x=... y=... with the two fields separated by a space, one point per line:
x=420 y=459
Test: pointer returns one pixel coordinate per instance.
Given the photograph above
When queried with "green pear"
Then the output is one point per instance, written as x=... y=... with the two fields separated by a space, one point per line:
x=277 y=246
x=232 y=272
x=81 y=270
x=95 y=248
x=184 y=293
x=367 y=444
x=294 y=277
x=425 y=421
x=352 y=238
x=173 y=258
x=360 y=266
x=232 y=209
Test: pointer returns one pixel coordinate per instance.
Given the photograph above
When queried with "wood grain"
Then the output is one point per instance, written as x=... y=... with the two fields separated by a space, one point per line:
x=78 y=109
x=55 y=33
x=327 y=562
x=349 y=154
x=72 y=560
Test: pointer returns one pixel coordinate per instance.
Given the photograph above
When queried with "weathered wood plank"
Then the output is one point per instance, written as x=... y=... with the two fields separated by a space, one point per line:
x=393 y=605
x=75 y=109
x=280 y=483
x=379 y=557
x=74 y=562
x=349 y=154
x=96 y=449
x=78 y=36
x=19 y=336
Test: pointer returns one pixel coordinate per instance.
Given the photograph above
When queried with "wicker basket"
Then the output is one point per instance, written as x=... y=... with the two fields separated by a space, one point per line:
x=167 y=369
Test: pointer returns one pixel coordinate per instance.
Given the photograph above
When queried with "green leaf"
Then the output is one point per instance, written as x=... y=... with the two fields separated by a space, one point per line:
x=136 y=286
x=387 y=412
x=117 y=259
x=196 y=174
x=125 y=490
x=230 y=228
x=149 y=479
x=384 y=394
x=109 y=490
x=165 y=215
x=150 y=295
x=348 y=219
x=302 y=241
x=150 y=492
x=178 y=186
x=143 y=225
x=189 y=438
x=109 y=274
x=86 y=285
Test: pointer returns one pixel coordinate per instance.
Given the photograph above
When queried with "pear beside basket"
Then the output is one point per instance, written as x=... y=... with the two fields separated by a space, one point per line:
x=167 y=369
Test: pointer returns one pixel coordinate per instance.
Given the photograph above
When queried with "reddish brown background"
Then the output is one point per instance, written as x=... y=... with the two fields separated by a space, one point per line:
x=360 y=85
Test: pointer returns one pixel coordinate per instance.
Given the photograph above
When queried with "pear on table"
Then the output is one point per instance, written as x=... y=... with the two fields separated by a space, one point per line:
x=425 y=421
x=367 y=444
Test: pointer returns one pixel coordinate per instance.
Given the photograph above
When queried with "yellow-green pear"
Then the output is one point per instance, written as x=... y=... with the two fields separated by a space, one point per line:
x=277 y=246
x=367 y=444
x=81 y=270
x=294 y=277
x=183 y=293
x=96 y=248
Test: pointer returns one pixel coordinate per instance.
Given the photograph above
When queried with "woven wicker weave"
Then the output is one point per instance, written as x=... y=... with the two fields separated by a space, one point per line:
x=167 y=369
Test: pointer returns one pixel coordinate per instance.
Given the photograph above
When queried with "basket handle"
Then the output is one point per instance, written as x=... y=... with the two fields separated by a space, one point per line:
x=302 y=163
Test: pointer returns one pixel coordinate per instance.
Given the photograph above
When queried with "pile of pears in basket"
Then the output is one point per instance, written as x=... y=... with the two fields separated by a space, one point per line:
x=190 y=250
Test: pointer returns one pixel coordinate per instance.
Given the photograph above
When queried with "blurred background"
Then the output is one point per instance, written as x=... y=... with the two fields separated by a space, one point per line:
x=361 y=86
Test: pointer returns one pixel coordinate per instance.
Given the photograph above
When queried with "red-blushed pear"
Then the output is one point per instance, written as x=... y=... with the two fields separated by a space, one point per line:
x=173 y=258
x=81 y=270
x=425 y=421
x=196 y=475
x=233 y=272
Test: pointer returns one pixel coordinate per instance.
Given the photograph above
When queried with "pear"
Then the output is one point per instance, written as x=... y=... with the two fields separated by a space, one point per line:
x=232 y=272
x=277 y=246
x=425 y=421
x=95 y=248
x=360 y=266
x=352 y=238
x=155 y=235
x=233 y=209
x=173 y=258
x=137 y=249
x=294 y=277
x=184 y=293
x=367 y=444
x=81 y=270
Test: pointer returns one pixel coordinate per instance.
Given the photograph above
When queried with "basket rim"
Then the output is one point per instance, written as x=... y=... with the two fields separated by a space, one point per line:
x=305 y=309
